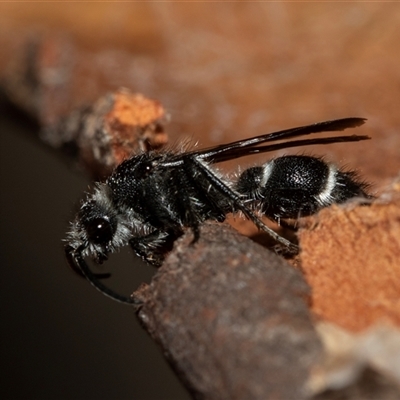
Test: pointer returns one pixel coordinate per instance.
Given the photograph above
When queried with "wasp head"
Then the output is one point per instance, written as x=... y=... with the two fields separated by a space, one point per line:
x=99 y=227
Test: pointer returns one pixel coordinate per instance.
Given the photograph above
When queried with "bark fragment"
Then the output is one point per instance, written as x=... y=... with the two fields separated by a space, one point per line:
x=232 y=318
x=111 y=130
x=350 y=257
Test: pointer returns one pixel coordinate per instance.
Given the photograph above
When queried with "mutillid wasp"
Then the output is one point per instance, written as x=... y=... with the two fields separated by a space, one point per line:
x=150 y=198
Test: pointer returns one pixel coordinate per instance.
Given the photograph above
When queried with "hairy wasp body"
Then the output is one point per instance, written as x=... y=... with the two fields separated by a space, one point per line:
x=150 y=198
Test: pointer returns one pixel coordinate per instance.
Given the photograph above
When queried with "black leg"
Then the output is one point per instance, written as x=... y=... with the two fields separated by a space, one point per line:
x=153 y=247
x=235 y=198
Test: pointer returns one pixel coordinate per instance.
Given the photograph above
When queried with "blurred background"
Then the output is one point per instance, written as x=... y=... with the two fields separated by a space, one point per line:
x=223 y=71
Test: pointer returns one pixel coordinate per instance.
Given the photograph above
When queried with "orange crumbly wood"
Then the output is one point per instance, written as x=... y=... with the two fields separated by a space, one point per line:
x=135 y=116
x=351 y=259
x=115 y=127
x=135 y=109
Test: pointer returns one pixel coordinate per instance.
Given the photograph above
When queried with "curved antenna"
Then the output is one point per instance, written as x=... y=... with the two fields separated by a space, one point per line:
x=77 y=263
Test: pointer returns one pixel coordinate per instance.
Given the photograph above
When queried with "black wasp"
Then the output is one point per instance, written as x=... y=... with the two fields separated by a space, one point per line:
x=151 y=197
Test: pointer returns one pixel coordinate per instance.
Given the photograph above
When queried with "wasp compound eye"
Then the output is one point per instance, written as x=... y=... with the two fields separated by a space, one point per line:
x=98 y=223
x=100 y=230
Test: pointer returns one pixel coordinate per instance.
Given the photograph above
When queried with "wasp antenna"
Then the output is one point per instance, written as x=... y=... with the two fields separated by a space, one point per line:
x=78 y=264
x=69 y=250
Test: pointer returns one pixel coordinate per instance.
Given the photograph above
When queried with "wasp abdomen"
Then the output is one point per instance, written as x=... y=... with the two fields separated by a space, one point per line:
x=297 y=186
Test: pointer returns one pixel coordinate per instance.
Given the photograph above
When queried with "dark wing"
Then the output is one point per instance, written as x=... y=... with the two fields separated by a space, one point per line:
x=246 y=151
x=246 y=147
